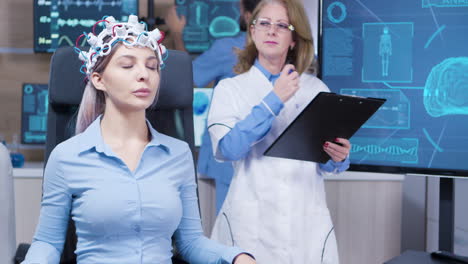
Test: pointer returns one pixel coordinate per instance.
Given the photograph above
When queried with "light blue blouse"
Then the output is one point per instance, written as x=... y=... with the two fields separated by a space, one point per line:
x=122 y=216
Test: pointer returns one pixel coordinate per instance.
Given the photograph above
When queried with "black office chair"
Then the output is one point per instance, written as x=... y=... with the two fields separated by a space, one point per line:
x=173 y=114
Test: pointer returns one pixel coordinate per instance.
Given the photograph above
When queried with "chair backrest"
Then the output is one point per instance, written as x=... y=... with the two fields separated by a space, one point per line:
x=7 y=209
x=173 y=114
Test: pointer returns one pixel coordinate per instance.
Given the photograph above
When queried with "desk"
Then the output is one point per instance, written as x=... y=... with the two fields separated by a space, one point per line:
x=417 y=257
x=30 y=170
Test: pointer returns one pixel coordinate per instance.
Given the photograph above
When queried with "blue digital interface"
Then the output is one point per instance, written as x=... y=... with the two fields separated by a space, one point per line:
x=414 y=54
x=201 y=106
x=60 y=22
x=35 y=105
x=208 y=20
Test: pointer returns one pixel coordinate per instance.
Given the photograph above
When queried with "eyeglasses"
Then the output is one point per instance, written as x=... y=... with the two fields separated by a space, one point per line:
x=265 y=24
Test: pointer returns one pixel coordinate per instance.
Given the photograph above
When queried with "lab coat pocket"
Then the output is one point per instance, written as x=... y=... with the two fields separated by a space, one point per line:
x=222 y=231
x=330 y=250
x=242 y=225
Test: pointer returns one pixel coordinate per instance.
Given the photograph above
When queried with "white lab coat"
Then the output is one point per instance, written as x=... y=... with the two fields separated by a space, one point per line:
x=275 y=208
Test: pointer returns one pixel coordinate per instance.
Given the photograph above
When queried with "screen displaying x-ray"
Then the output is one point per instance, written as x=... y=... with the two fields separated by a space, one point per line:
x=60 y=22
x=415 y=55
x=35 y=103
x=208 y=20
x=201 y=106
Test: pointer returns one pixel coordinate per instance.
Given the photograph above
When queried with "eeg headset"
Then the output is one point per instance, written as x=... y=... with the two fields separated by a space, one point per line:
x=132 y=33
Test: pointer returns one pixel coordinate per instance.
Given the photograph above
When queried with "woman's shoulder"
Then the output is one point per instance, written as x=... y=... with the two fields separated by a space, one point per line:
x=227 y=85
x=311 y=80
x=176 y=146
x=65 y=152
x=172 y=141
x=237 y=82
x=67 y=147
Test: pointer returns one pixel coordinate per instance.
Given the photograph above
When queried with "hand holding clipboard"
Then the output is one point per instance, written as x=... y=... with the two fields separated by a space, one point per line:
x=327 y=117
x=338 y=150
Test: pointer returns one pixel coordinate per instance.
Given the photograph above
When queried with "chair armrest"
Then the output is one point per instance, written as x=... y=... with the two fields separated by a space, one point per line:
x=21 y=252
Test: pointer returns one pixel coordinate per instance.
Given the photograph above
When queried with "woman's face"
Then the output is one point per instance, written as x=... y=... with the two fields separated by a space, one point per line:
x=271 y=34
x=130 y=79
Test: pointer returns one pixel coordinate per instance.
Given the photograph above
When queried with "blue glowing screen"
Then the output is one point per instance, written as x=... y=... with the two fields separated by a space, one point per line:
x=414 y=54
x=208 y=20
x=60 y=22
x=201 y=106
x=35 y=104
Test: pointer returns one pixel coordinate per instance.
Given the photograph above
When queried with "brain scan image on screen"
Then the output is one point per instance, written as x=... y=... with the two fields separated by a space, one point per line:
x=207 y=21
x=201 y=102
x=201 y=106
x=223 y=26
x=446 y=89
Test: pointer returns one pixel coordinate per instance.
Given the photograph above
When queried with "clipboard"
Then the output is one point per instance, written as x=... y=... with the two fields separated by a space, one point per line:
x=325 y=118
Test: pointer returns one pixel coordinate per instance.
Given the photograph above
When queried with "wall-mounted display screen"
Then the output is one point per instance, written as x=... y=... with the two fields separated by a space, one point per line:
x=35 y=104
x=415 y=55
x=201 y=106
x=60 y=22
x=207 y=21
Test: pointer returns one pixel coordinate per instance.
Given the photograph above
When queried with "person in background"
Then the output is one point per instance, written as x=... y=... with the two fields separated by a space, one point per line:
x=276 y=207
x=128 y=188
x=213 y=65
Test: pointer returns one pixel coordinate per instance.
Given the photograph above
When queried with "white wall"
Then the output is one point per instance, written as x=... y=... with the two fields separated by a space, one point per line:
x=311 y=7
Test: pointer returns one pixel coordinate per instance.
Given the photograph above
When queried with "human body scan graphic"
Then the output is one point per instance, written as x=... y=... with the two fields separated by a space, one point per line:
x=385 y=50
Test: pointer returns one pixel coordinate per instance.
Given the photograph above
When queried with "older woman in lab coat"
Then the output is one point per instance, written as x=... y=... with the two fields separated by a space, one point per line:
x=275 y=207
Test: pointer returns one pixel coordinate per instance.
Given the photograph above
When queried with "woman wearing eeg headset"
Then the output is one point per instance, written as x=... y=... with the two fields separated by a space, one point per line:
x=128 y=188
x=275 y=207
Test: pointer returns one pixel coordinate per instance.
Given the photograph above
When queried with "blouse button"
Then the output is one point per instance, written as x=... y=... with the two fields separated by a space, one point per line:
x=137 y=228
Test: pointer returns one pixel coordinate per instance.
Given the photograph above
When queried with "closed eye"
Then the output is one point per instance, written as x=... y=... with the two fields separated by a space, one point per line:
x=152 y=67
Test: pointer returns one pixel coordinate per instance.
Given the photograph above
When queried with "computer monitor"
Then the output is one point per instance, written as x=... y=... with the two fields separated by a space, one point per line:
x=414 y=54
x=208 y=20
x=35 y=103
x=59 y=23
x=201 y=106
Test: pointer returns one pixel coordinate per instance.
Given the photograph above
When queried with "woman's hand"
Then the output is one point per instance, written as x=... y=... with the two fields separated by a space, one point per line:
x=287 y=84
x=338 y=152
x=244 y=259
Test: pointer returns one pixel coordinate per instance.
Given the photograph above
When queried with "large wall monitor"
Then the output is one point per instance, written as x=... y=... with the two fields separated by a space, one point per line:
x=208 y=20
x=414 y=54
x=35 y=103
x=59 y=22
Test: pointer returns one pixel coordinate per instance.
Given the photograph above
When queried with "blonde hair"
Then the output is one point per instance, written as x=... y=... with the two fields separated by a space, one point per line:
x=302 y=55
x=93 y=102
